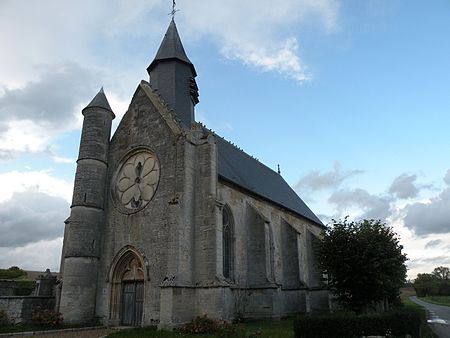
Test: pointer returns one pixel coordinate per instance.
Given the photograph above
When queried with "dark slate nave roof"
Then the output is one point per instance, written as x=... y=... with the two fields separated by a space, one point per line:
x=243 y=170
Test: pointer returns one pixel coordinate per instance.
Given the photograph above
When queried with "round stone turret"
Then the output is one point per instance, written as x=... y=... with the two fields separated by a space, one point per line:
x=81 y=248
x=92 y=159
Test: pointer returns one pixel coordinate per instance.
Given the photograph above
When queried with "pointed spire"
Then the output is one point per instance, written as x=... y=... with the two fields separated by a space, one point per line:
x=172 y=74
x=171 y=48
x=100 y=101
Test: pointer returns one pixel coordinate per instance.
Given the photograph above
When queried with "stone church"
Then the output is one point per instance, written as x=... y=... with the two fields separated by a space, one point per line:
x=170 y=221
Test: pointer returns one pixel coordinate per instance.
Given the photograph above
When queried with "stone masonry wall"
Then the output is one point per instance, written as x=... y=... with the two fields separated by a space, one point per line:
x=7 y=287
x=19 y=309
x=286 y=293
x=178 y=234
x=152 y=230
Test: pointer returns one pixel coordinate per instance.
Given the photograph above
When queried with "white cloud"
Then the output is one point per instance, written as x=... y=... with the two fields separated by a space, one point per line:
x=282 y=58
x=403 y=186
x=447 y=177
x=39 y=181
x=43 y=88
x=33 y=207
x=261 y=33
x=433 y=243
x=316 y=180
x=24 y=136
x=368 y=206
x=31 y=216
x=34 y=256
x=431 y=217
x=37 y=113
x=61 y=159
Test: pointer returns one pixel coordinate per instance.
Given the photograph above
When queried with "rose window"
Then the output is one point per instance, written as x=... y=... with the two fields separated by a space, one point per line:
x=137 y=180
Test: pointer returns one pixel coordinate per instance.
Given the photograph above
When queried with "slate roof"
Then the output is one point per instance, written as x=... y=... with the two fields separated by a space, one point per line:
x=100 y=101
x=171 y=48
x=239 y=168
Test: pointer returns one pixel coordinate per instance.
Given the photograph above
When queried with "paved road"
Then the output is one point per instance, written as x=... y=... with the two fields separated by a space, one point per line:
x=438 y=317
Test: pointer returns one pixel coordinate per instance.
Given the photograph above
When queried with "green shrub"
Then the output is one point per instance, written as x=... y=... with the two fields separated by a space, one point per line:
x=394 y=323
x=220 y=328
x=4 y=320
x=12 y=273
x=46 y=317
x=201 y=324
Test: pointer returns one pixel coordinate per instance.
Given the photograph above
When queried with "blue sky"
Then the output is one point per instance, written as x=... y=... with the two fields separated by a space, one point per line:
x=351 y=98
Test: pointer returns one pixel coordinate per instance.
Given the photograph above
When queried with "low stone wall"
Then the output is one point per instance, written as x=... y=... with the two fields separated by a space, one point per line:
x=7 y=287
x=19 y=309
x=318 y=300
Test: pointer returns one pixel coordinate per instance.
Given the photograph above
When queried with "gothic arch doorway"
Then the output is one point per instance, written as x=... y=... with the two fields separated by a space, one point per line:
x=127 y=294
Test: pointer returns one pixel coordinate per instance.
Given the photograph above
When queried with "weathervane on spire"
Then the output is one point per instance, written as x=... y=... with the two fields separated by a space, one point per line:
x=173 y=12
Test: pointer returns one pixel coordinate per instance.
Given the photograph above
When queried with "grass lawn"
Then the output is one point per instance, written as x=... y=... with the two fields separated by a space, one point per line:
x=34 y=327
x=440 y=300
x=24 y=328
x=31 y=327
x=268 y=329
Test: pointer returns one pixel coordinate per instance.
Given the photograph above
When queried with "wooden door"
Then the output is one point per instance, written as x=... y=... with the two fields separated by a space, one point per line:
x=138 y=304
x=132 y=303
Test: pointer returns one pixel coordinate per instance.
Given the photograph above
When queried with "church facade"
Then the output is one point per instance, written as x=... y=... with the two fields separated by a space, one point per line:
x=170 y=221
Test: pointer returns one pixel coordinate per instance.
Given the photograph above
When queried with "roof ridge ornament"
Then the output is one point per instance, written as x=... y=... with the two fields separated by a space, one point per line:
x=174 y=11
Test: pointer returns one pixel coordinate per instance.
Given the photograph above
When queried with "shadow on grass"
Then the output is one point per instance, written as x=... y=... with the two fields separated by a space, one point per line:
x=263 y=329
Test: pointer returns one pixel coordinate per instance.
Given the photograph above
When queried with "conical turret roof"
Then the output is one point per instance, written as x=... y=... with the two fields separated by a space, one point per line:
x=171 y=48
x=100 y=101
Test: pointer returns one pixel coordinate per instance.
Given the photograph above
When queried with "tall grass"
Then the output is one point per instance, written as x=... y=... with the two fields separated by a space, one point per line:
x=439 y=300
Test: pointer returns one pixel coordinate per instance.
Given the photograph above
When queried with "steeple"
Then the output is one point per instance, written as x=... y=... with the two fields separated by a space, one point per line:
x=171 y=48
x=173 y=75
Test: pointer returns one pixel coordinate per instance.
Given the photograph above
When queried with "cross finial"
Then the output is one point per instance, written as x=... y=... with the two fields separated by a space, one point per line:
x=173 y=12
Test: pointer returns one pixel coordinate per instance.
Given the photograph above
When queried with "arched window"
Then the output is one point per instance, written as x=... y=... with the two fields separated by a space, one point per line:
x=228 y=243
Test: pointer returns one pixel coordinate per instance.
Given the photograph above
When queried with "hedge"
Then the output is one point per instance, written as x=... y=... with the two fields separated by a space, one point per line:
x=393 y=323
x=24 y=287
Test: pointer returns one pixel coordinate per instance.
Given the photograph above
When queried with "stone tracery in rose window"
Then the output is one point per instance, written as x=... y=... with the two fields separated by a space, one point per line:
x=137 y=180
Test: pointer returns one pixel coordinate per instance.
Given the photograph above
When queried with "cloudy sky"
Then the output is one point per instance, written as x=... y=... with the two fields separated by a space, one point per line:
x=351 y=98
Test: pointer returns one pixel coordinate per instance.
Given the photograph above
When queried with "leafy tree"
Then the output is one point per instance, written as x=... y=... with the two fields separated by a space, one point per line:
x=364 y=262
x=442 y=273
x=426 y=284
x=436 y=283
